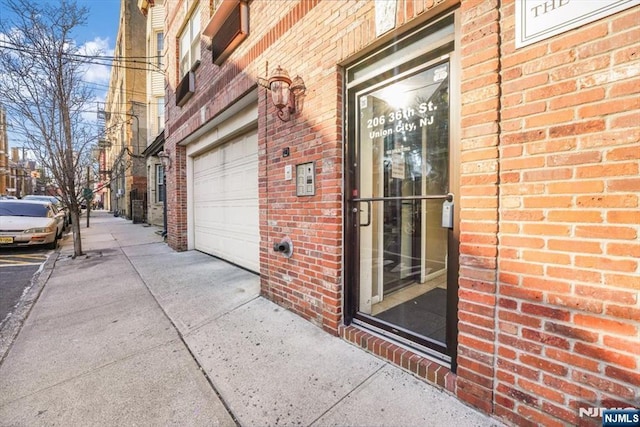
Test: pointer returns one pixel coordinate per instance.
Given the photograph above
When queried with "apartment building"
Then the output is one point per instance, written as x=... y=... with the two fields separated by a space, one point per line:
x=125 y=117
x=452 y=186
x=155 y=14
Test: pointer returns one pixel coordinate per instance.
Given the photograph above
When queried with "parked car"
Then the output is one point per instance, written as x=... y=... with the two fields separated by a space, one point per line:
x=57 y=202
x=30 y=222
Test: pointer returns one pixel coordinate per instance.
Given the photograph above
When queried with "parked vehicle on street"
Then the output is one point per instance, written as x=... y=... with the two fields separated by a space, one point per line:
x=57 y=202
x=30 y=222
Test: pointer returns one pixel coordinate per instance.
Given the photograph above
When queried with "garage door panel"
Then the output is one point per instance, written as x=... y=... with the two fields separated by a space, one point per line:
x=225 y=217
x=236 y=246
x=225 y=198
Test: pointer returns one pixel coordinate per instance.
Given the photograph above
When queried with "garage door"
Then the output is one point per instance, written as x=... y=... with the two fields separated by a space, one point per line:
x=225 y=201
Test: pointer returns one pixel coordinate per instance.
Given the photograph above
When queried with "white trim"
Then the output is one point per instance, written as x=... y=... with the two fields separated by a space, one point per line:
x=536 y=20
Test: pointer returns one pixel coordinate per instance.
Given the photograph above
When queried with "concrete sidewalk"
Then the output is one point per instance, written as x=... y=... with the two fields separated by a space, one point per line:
x=134 y=333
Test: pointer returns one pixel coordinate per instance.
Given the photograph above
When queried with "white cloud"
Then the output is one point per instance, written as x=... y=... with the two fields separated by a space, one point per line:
x=97 y=71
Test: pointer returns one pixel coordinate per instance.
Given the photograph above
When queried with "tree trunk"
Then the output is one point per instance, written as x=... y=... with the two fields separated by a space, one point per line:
x=77 y=240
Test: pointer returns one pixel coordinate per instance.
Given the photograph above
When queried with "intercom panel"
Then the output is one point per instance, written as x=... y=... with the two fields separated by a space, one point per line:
x=306 y=179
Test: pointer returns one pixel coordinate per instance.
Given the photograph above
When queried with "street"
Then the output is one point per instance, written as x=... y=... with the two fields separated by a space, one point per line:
x=17 y=267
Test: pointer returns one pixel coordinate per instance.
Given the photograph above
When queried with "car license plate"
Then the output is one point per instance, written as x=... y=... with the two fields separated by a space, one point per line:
x=6 y=240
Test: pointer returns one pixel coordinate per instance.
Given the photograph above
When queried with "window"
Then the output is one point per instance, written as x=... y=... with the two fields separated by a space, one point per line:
x=215 y=4
x=190 y=41
x=159 y=183
x=160 y=113
x=159 y=48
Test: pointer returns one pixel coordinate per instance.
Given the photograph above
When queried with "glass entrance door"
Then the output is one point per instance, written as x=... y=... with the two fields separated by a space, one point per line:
x=405 y=284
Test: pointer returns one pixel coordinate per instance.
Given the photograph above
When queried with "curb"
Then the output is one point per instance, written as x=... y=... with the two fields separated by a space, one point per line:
x=16 y=319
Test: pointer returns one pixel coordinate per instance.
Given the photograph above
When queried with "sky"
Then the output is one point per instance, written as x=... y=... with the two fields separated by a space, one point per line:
x=102 y=20
x=99 y=33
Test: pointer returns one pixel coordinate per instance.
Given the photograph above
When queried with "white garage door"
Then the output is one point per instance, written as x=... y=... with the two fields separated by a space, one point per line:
x=225 y=201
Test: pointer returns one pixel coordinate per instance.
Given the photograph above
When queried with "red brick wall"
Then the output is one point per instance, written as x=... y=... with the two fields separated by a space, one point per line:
x=479 y=165
x=175 y=131
x=310 y=282
x=217 y=87
x=568 y=309
x=312 y=42
x=549 y=159
x=307 y=38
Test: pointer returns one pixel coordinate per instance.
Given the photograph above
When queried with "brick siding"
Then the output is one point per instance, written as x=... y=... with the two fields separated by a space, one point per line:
x=568 y=307
x=479 y=140
x=549 y=154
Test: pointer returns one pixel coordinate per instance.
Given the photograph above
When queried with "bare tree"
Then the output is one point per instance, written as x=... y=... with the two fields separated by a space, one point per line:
x=41 y=87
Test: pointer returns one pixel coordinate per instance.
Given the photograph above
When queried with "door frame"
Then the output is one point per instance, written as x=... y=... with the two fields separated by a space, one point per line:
x=352 y=209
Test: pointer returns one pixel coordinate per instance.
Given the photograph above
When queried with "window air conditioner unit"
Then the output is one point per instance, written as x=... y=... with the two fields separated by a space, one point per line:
x=228 y=27
x=186 y=88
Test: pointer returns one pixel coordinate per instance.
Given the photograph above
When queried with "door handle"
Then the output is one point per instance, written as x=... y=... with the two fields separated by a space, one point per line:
x=357 y=210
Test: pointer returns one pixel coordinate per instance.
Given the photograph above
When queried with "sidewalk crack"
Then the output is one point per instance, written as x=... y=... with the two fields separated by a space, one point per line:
x=184 y=343
x=196 y=328
x=348 y=394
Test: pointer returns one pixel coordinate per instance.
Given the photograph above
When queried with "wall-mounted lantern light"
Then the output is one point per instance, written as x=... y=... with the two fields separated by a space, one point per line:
x=165 y=159
x=284 y=92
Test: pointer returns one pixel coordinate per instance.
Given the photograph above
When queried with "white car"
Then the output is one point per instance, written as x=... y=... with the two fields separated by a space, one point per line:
x=30 y=222
x=57 y=202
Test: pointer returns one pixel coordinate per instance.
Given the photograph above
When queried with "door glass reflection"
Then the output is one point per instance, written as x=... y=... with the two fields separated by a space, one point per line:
x=404 y=153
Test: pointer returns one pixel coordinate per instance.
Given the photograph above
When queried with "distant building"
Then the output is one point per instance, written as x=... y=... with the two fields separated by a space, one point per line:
x=125 y=117
x=22 y=174
x=154 y=13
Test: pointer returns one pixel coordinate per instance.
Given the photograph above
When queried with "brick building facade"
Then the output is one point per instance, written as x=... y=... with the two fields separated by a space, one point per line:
x=125 y=120
x=491 y=188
